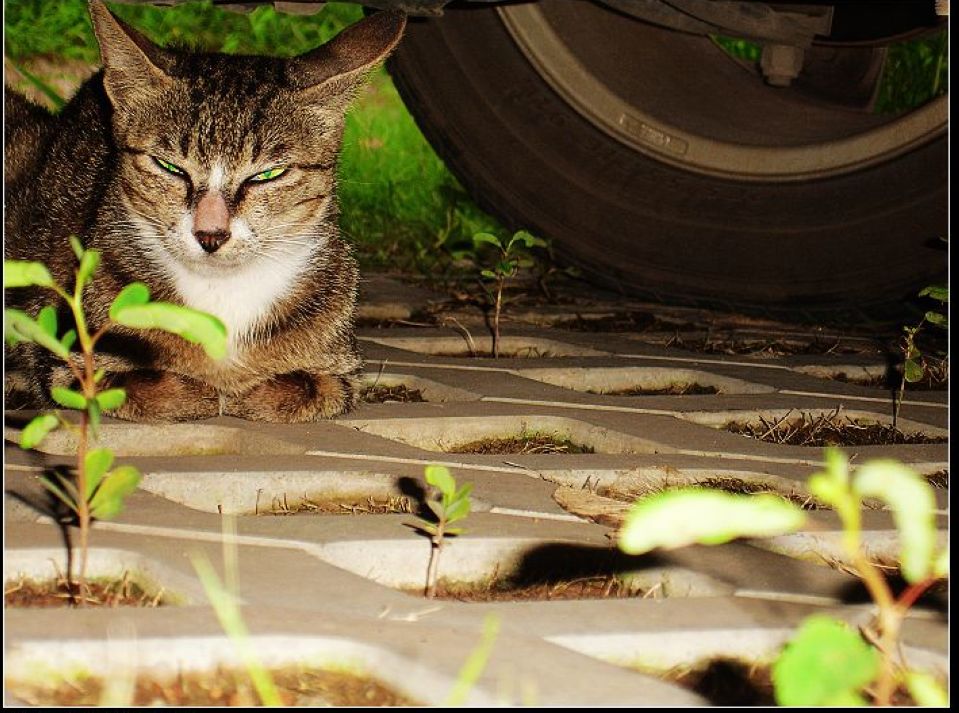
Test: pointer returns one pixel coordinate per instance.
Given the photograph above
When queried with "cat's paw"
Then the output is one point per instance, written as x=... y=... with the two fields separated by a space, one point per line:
x=296 y=397
x=156 y=396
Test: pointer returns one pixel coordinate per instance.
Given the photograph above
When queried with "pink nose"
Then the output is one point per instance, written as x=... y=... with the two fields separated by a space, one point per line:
x=211 y=221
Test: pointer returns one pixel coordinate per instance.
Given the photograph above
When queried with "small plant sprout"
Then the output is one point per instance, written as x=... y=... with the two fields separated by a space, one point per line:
x=512 y=255
x=827 y=662
x=915 y=365
x=97 y=489
x=452 y=505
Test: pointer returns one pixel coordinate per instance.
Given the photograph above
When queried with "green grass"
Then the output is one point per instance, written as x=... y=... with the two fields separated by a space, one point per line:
x=401 y=207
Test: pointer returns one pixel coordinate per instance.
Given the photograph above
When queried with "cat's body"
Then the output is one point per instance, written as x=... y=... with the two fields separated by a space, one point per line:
x=211 y=179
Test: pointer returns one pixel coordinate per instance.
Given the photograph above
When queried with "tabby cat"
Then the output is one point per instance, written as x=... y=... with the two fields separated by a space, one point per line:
x=211 y=178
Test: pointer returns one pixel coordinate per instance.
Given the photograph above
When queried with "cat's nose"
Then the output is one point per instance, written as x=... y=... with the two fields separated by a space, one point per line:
x=211 y=221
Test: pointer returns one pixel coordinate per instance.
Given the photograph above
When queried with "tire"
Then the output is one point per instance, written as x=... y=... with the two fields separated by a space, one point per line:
x=846 y=239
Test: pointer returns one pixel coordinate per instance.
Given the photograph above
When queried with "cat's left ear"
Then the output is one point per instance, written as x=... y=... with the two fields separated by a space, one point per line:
x=337 y=68
x=131 y=63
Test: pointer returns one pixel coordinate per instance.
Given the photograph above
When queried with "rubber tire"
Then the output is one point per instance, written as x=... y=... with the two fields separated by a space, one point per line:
x=841 y=249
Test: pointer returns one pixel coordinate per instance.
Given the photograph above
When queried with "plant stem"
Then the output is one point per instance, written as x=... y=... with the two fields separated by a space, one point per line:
x=433 y=568
x=890 y=621
x=496 y=311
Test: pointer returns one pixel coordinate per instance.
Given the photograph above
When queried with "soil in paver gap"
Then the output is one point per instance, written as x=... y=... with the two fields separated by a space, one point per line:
x=939 y=479
x=392 y=394
x=671 y=390
x=523 y=444
x=505 y=590
x=728 y=485
x=621 y=322
x=296 y=686
x=826 y=430
x=933 y=380
x=530 y=352
x=123 y=592
x=768 y=347
x=342 y=505
x=731 y=682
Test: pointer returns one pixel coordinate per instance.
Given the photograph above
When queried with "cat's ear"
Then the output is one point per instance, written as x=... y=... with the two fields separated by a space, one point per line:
x=336 y=69
x=131 y=63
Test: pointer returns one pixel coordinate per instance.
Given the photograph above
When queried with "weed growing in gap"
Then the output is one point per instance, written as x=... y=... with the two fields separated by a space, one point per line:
x=826 y=663
x=95 y=490
x=452 y=505
x=915 y=365
x=512 y=255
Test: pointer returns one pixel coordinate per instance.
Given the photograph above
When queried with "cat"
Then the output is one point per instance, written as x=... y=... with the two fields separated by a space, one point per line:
x=211 y=178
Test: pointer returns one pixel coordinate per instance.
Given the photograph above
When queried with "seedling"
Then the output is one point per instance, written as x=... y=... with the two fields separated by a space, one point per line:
x=452 y=505
x=96 y=490
x=914 y=366
x=513 y=255
x=826 y=663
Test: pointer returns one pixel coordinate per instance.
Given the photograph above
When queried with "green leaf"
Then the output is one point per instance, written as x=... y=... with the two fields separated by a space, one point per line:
x=194 y=326
x=136 y=293
x=47 y=319
x=926 y=691
x=489 y=238
x=428 y=527
x=936 y=318
x=940 y=293
x=77 y=246
x=826 y=663
x=69 y=398
x=913 y=507
x=458 y=509
x=107 y=501
x=439 y=476
x=48 y=484
x=88 y=265
x=68 y=339
x=437 y=509
x=914 y=371
x=98 y=375
x=93 y=411
x=97 y=462
x=489 y=274
x=25 y=328
x=22 y=273
x=940 y=568
x=111 y=399
x=527 y=239
x=454 y=531
x=38 y=428
x=678 y=518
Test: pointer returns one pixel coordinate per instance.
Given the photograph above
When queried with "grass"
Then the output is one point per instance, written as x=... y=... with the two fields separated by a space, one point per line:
x=523 y=444
x=400 y=207
x=827 y=429
x=28 y=593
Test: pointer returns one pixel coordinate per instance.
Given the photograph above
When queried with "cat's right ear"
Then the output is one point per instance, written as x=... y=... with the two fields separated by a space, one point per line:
x=130 y=61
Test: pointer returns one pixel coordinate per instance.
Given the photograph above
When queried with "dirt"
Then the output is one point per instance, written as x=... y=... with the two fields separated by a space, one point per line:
x=939 y=479
x=297 y=687
x=829 y=429
x=933 y=380
x=767 y=347
x=392 y=395
x=504 y=590
x=123 y=592
x=520 y=353
x=630 y=322
x=523 y=444
x=343 y=505
x=725 y=682
x=671 y=390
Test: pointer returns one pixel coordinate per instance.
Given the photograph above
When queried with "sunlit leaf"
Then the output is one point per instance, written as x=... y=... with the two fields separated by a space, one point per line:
x=678 y=518
x=136 y=293
x=38 y=428
x=97 y=462
x=194 y=326
x=926 y=691
x=111 y=399
x=107 y=501
x=28 y=329
x=826 y=663
x=439 y=477
x=23 y=273
x=913 y=507
x=59 y=494
x=76 y=246
x=68 y=397
x=913 y=371
x=47 y=319
x=68 y=339
x=940 y=568
x=488 y=238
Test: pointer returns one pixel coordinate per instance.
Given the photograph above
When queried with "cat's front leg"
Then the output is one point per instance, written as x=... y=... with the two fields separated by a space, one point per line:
x=158 y=396
x=295 y=397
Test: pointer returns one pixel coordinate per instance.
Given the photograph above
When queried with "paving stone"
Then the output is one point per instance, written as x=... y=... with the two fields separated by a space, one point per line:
x=331 y=588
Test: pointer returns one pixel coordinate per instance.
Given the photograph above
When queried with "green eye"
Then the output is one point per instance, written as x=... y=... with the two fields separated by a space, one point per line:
x=168 y=167
x=268 y=175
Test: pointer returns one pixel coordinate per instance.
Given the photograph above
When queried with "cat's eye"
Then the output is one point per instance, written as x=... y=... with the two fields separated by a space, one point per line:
x=168 y=167
x=267 y=175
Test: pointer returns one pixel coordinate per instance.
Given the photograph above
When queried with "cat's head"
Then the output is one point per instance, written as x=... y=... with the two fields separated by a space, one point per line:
x=225 y=160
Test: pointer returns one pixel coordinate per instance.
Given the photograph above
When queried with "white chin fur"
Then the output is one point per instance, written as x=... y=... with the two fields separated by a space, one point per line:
x=242 y=292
